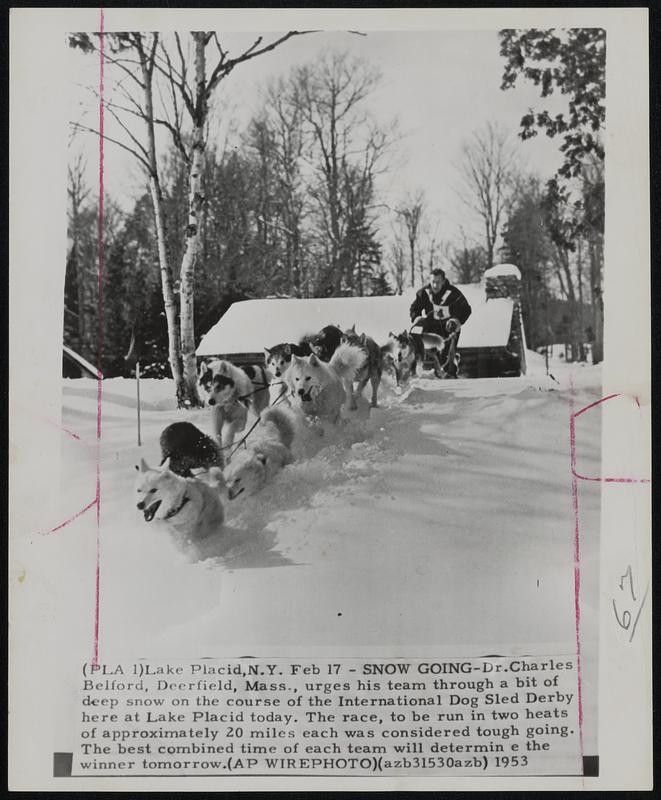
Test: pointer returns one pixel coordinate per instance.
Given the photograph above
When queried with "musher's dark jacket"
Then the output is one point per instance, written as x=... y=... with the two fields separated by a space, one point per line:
x=449 y=302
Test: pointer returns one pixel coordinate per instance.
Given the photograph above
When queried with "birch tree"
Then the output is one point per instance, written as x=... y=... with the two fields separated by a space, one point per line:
x=195 y=93
x=134 y=56
x=142 y=57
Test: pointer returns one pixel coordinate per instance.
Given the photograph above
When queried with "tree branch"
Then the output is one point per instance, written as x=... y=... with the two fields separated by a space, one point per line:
x=171 y=76
x=221 y=70
x=131 y=136
x=118 y=62
x=79 y=126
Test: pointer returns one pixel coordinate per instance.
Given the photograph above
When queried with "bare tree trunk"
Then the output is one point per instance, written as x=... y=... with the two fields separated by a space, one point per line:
x=487 y=171
x=293 y=246
x=192 y=234
x=188 y=262
x=596 y=260
x=80 y=278
x=161 y=229
x=80 y=287
x=169 y=302
x=490 y=244
x=581 y=320
x=563 y=257
x=77 y=195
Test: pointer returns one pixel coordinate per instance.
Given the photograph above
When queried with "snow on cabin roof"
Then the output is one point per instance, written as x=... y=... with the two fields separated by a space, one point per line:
x=501 y=270
x=250 y=325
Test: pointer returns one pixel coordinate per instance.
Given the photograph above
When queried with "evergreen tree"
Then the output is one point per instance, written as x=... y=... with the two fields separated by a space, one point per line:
x=526 y=244
x=380 y=285
x=573 y=62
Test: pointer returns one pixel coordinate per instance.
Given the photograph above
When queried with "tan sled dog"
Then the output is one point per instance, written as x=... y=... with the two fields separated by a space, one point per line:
x=316 y=388
x=191 y=507
x=399 y=354
x=267 y=453
x=372 y=368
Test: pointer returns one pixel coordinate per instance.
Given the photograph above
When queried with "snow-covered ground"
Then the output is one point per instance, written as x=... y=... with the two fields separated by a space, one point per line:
x=444 y=516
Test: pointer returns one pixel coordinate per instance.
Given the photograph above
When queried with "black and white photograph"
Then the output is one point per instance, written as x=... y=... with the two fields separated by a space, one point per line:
x=332 y=351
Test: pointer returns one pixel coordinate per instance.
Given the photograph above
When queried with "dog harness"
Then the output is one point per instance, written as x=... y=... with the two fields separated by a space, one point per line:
x=173 y=512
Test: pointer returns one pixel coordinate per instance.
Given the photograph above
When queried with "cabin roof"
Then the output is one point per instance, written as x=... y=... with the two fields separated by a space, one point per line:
x=251 y=325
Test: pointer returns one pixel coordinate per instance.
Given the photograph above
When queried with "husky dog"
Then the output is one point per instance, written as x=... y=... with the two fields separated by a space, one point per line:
x=318 y=389
x=191 y=507
x=266 y=455
x=324 y=343
x=372 y=368
x=446 y=365
x=278 y=357
x=259 y=379
x=277 y=360
x=443 y=349
x=188 y=449
x=400 y=354
x=231 y=391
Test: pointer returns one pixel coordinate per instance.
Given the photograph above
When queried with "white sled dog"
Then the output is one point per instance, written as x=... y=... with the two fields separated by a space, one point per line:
x=231 y=391
x=320 y=389
x=191 y=507
x=265 y=456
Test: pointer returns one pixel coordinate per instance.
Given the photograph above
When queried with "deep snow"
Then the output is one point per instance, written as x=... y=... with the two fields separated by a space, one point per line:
x=442 y=519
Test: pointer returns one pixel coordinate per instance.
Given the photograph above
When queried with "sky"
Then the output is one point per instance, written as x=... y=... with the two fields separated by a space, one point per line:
x=440 y=85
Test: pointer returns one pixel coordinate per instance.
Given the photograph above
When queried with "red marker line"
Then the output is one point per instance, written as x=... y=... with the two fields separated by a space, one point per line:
x=596 y=403
x=99 y=341
x=609 y=480
x=69 y=433
x=71 y=519
x=596 y=478
x=575 y=477
x=577 y=557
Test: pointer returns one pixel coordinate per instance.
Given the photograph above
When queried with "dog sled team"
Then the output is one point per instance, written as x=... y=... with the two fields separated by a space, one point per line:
x=313 y=380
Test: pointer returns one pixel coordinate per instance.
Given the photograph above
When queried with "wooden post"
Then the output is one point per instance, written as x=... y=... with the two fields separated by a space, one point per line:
x=137 y=386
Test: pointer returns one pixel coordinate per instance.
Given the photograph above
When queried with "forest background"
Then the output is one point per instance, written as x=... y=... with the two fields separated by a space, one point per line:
x=315 y=164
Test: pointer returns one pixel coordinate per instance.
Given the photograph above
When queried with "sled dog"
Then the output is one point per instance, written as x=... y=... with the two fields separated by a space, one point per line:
x=278 y=357
x=265 y=456
x=231 y=391
x=372 y=368
x=188 y=449
x=277 y=360
x=317 y=388
x=400 y=354
x=443 y=349
x=324 y=343
x=191 y=507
